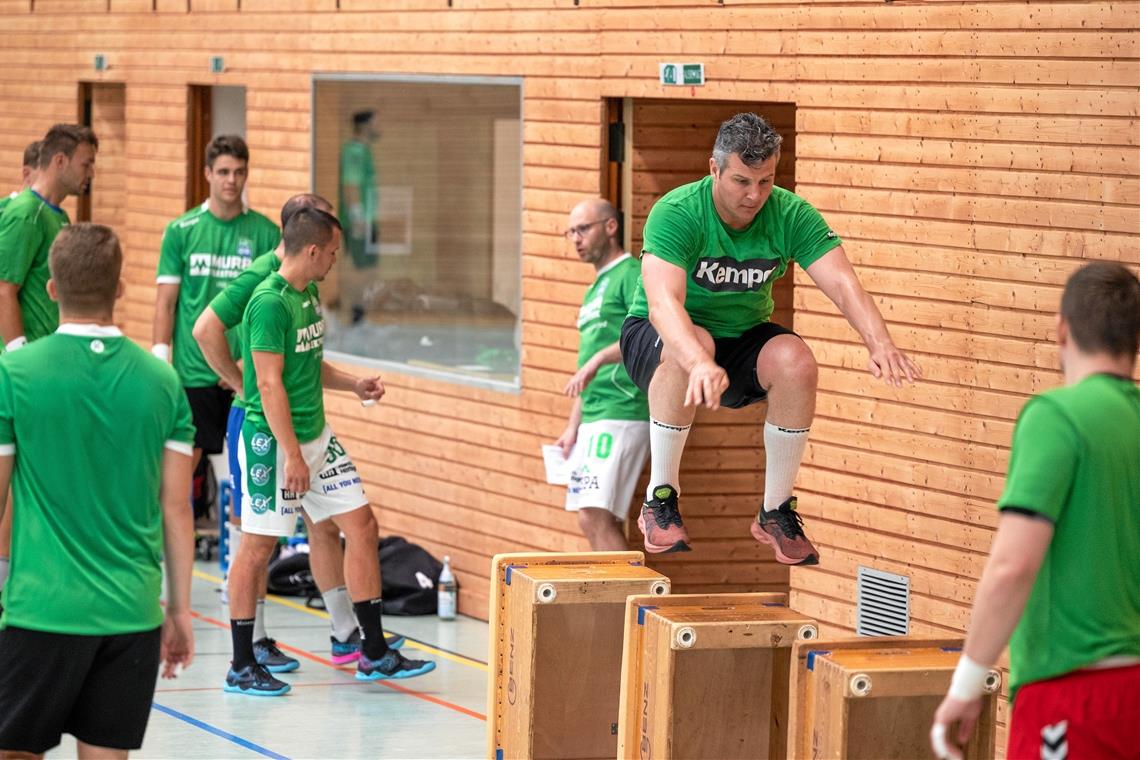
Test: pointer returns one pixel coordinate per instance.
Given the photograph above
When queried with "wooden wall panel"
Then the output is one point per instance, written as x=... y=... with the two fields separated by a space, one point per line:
x=970 y=155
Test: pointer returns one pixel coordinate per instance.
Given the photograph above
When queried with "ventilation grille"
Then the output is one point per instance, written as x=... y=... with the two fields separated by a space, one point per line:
x=883 y=603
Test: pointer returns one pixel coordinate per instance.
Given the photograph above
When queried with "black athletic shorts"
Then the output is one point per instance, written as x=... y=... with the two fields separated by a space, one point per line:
x=210 y=407
x=641 y=354
x=96 y=688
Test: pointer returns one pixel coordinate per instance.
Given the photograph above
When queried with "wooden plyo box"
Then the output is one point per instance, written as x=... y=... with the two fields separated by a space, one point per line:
x=875 y=697
x=706 y=675
x=556 y=642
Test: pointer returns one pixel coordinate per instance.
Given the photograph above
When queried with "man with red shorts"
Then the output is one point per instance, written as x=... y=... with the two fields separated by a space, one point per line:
x=1063 y=575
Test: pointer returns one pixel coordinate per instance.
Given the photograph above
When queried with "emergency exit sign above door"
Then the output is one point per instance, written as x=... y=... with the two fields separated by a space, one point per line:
x=681 y=74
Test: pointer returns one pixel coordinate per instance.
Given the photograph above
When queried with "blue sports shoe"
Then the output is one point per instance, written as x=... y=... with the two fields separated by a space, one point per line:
x=344 y=652
x=254 y=680
x=391 y=665
x=266 y=653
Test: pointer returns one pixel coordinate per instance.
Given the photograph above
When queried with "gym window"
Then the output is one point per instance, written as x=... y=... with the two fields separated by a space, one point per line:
x=426 y=176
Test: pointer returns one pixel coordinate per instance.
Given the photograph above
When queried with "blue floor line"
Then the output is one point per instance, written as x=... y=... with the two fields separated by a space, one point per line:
x=218 y=732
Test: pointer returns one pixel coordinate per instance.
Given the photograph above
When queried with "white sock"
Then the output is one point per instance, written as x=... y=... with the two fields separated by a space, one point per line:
x=3 y=571
x=666 y=444
x=259 y=621
x=339 y=607
x=784 y=450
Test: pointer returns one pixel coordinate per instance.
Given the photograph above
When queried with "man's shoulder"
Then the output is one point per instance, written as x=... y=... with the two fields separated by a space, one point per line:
x=686 y=196
x=259 y=220
x=190 y=219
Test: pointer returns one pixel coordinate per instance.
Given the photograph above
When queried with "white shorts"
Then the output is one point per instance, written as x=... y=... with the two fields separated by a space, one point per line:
x=272 y=510
x=605 y=465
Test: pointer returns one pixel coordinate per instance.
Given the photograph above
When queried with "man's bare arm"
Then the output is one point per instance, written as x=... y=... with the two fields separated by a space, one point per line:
x=211 y=336
x=165 y=302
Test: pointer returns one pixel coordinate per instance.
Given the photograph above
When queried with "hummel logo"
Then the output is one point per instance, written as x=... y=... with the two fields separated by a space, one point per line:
x=1054 y=741
x=728 y=274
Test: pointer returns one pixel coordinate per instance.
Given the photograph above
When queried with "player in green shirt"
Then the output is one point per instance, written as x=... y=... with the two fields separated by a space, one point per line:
x=290 y=460
x=1063 y=577
x=202 y=252
x=223 y=315
x=699 y=333
x=28 y=227
x=359 y=204
x=98 y=459
x=30 y=171
x=607 y=436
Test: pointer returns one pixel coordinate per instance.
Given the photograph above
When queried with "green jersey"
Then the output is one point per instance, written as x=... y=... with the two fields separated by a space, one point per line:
x=5 y=201
x=283 y=320
x=27 y=229
x=87 y=535
x=230 y=304
x=358 y=170
x=202 y=255
x=611 y=395
x=1075 y=460
x=730 y=272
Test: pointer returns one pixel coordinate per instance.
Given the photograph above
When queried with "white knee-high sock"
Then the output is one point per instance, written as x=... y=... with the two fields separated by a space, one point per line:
x=784 y=450
x=259 y=621
x=666 y=444
x=339 y=606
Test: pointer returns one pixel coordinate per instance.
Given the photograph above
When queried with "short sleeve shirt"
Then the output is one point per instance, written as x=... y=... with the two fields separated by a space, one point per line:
x=229 y=305
x=731 y=272
x=357 y=169
x=283 y=320
x=88 y=444
x=28 y=227
x=202 y=254
x=611 y=395
x=1075 y=461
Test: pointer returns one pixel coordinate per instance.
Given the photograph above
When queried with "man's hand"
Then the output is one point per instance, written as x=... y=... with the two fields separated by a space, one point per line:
x=369 y=388
x=953 y=713
x=567 y=440
x=707 y=382
x=581 y=379
x=891 y=364
x=177 y=648
x=296 y=473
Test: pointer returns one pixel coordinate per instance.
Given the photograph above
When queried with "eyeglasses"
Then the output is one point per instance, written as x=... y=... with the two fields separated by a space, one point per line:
x=582 y=229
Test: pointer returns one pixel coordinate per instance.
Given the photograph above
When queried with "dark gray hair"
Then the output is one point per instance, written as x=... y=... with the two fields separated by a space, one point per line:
x=748 y=136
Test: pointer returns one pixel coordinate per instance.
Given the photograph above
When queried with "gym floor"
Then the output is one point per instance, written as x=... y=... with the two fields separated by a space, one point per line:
x=328 y=714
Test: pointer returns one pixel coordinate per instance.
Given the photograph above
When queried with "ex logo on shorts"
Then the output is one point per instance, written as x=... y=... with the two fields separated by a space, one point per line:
x=260 y=504
x=259 y=474
x=260 y=444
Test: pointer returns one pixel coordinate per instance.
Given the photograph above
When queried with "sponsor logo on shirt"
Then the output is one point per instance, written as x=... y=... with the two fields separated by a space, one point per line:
x=310 y=337
x=259 y=474
x=245 y=248
x=726 y=274
x=217 y=265
x=260 y=444
x=260 y=504
x=592 y=309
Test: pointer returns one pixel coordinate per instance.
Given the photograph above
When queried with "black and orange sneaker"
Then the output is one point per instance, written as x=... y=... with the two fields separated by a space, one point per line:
x=782 y=529
x=660 y=522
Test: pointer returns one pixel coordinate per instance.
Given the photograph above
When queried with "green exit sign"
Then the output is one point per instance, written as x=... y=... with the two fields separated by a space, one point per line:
x=217 y=64
x=681 y=74
x=100 y=62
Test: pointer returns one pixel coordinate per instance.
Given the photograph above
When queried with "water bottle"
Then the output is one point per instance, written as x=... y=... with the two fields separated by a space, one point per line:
x=446 y=588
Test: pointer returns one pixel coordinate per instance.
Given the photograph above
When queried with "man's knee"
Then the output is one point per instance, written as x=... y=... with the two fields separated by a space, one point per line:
x=358 y=525
x=257 y=548
x=787 y=360
x=324 y=533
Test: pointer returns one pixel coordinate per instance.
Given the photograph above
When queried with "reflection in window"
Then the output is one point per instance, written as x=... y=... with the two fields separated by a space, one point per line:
x=427 y=177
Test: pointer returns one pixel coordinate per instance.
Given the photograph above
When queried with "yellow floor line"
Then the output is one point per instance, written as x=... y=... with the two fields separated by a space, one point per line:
x=325 y=616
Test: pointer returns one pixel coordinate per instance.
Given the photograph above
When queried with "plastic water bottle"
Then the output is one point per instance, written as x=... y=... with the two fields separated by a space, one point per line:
x=446 y=588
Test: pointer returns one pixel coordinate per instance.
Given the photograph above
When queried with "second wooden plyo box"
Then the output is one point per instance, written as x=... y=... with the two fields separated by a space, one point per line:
x=706 y=675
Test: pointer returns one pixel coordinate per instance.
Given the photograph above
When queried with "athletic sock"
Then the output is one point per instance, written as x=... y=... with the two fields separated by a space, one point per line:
x=241 y=631
x=784 y=450
x=259 y=621
x=339 y=607
x=4 y=564
x=666 y=444
x=371 y=628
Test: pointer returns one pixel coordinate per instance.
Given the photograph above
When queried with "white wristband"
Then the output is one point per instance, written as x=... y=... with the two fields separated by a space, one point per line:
x=161 y=350
x=16 y=343
x=969 y=680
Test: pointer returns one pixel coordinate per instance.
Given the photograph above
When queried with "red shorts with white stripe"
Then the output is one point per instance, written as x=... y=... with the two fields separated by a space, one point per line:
x=1084 y=714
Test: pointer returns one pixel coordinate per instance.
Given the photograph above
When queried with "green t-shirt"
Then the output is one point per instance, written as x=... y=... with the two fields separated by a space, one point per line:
x=611 y=395
x=283 y=320
x=230 y=304
x=358 y=170
x=731 y=272
x=202 y=255
x=1076 y=461
x=27 y=229
x=5 y=201
x=87 y=534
